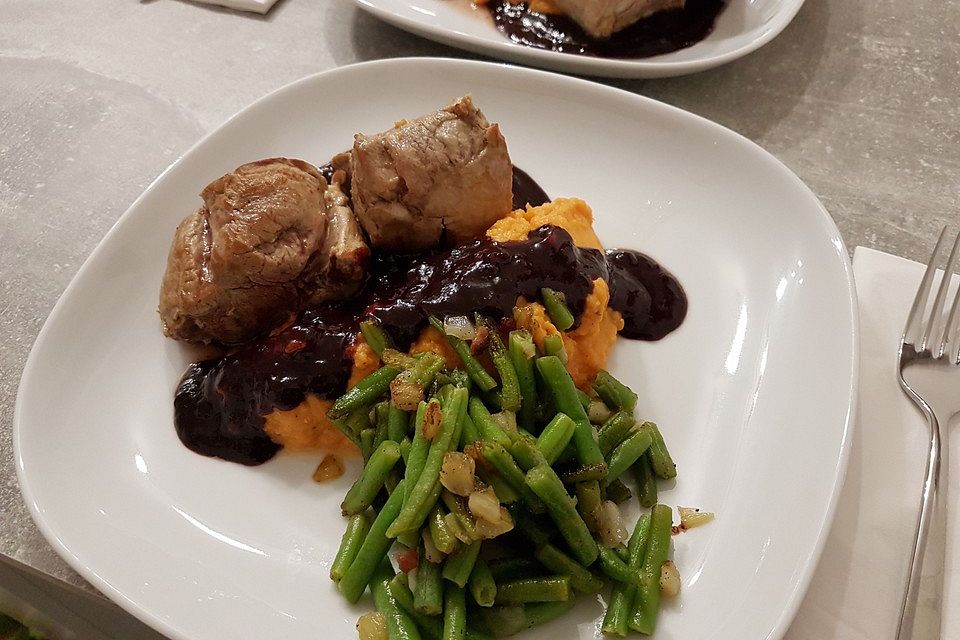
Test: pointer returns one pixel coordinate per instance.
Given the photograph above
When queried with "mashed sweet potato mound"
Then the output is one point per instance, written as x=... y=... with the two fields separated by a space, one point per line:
x=307 y=426
x=589 y=344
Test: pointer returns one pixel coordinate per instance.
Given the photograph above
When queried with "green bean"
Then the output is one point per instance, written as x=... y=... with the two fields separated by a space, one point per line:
x=400 y=625
x=372 y=550
x=614 y=393
x=616 y=568
x=527 y=454
x=548 y=487
x=380 y=410
x=514 y=568
x=486 y=425
x=458 y=566
x=618 y=492
x=357 y=420
x=344 y=427
x=522 y=350
x=627 y=452
x=569 y=454
x=646 y=481
x=396 y=423
x=660 y=459
x=418 y=449
x=409 y=539
x=407 y=389
x=454 y=614
x=565 y=397
x=470 y=433
x=465 y=529
x=471 y=365
x=532 y=529
x=428 y=594
x=614 y=431
x=509 y=382
x=546 y=589
x=556 y=305
x=364 y=392
x=398 y=359
x=394 y=477
x=505 y=492
x=405 y=445
x=493 y=399
x=622 y=552
x=375 y=336
x=556 y=436
x=507 y=620
x=585 y=400
x=481 y=583
x=646 y=605
x=504 y=464
x=589 y=502
x=430 y=626
x=594 y=472
x=453 y=524
x=617 y=618
x=460 y=378
x=357 y=528
x=418 y=504
x=365 y=489
x=562 y=564
x=367 y=436
x=537 y=613
x=553 y=346
x=443 y=538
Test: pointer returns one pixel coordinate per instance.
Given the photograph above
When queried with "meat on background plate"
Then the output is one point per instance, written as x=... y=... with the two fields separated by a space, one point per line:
x=603 y=18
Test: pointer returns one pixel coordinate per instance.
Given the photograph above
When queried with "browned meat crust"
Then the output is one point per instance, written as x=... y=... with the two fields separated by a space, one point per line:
x=445 y=176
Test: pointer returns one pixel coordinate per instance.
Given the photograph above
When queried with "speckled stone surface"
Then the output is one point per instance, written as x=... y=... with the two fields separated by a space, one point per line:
x=858 y=97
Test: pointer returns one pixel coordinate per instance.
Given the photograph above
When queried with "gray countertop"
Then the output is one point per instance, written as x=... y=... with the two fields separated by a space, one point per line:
x=858 y=97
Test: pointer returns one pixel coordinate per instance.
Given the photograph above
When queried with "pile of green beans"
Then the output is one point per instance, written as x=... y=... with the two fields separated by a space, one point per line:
x=555 y=458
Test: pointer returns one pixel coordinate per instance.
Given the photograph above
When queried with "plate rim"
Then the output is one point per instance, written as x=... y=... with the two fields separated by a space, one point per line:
x=838 y=472
x=572 y=63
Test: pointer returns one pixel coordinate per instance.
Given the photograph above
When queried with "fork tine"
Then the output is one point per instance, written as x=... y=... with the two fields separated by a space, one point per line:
x=933 y=338
x=950 y=333
x=912 y=327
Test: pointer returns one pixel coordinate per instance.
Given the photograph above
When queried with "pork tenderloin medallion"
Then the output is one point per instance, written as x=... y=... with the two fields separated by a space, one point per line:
x=267 y=241
x=603 y=18
x=441 y=178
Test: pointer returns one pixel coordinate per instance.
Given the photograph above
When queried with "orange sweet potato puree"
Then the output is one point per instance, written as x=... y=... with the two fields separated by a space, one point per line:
x=307 y=426
x=589 y=345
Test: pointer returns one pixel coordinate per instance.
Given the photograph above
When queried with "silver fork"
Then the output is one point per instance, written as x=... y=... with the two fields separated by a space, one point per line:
x=930 y=350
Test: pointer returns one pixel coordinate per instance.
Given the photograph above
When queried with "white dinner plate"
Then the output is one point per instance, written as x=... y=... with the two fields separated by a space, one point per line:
x=743 y=27
x=753 y=392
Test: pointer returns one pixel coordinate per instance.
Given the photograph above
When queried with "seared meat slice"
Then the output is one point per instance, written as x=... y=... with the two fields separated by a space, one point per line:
x=444 y=176
x=344 y=253
x=602 y=18
x=256 y=252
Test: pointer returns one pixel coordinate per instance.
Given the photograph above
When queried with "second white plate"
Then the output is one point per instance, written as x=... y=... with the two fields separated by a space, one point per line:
x=743 y=27
x=754 y=391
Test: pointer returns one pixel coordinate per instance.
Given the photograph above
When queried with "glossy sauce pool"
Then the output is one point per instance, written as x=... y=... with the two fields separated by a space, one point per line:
x=220 y=404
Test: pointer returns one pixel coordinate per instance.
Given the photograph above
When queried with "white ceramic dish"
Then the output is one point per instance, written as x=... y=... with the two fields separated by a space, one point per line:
x=754 y=391
x=743 y=27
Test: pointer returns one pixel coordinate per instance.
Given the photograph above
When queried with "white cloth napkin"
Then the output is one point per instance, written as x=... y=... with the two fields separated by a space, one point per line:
x=258 y=6
x=859 y=582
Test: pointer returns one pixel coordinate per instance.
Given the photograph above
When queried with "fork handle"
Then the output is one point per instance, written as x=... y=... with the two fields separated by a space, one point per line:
x=931 y=491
